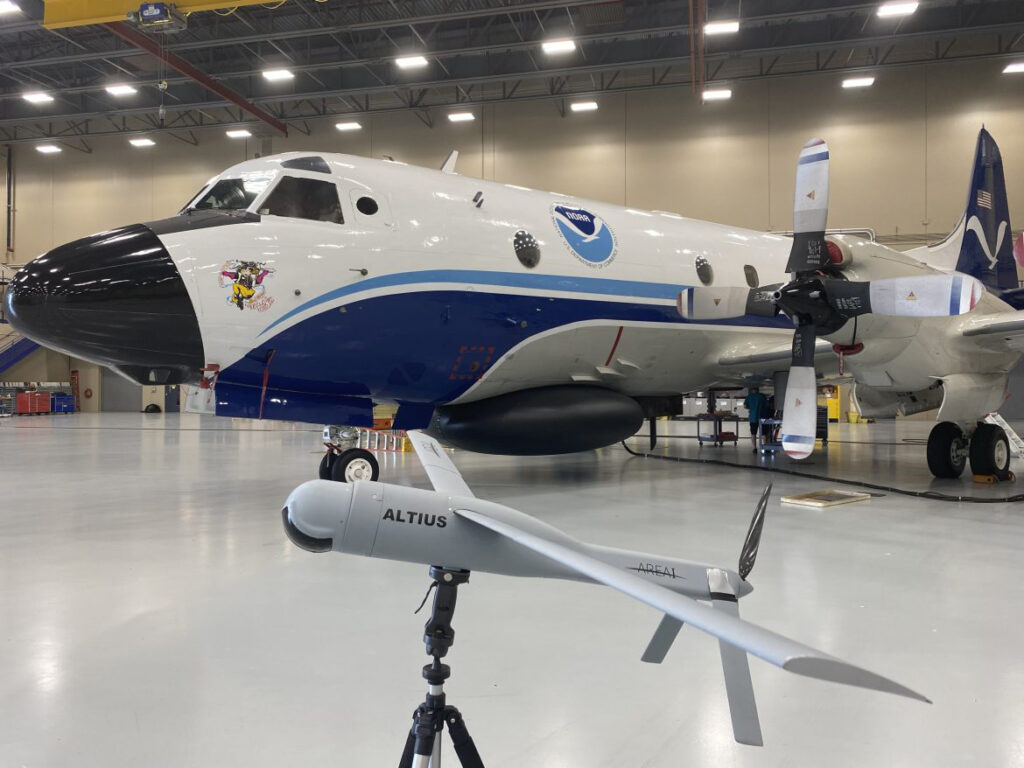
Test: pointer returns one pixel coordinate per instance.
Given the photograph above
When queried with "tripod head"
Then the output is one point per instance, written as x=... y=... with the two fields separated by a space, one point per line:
x=438 y=634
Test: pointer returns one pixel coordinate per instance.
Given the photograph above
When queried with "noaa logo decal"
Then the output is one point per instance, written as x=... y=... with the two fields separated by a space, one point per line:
x=585 y=234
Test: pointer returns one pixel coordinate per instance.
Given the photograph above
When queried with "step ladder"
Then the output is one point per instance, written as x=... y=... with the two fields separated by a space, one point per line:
x=1016 y=443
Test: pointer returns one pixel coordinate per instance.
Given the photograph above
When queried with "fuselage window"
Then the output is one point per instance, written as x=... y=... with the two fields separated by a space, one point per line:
x=231 y=194
x=304 y=199
x=704 y=271
x=751 y=274
x=367 y=206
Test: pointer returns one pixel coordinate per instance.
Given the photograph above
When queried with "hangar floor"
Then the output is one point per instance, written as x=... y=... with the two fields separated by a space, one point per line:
x=154 y=613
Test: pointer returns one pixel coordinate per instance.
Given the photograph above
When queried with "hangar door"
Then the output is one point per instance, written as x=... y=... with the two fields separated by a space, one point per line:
x=119 y=394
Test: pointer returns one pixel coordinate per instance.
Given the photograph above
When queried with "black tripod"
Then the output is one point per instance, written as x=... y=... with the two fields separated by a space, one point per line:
x=423 y=744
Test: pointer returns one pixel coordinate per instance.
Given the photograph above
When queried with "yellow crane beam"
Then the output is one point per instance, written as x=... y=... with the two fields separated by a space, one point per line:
x=76 y=13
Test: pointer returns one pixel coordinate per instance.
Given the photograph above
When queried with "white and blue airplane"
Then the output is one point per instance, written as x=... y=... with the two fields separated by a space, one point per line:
x=312 y=286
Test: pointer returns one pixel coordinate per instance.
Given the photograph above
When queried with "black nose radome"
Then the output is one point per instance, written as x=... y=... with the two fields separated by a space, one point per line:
x=115 y=298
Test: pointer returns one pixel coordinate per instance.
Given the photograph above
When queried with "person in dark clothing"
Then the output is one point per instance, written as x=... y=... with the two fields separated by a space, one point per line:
x=757 y=409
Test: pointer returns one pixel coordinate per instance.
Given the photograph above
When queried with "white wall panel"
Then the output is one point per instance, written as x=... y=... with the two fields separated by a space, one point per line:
x=901 y=151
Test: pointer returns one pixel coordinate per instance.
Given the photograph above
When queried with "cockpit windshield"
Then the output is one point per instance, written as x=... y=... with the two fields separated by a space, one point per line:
x=232 y=194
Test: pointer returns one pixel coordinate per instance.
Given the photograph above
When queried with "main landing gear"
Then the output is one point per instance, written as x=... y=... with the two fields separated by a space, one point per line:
x=344 y=462
x=949 y=449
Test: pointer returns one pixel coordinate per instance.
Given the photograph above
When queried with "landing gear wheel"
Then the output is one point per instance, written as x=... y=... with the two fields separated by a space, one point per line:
x=947 y=450
x=990 y=451
x=324 y=473
x=355 y=464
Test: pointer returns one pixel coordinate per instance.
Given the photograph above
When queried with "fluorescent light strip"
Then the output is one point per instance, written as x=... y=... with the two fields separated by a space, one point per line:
x=858 y=82
x=48 y=149
x=411 y=62
x=717 y=94
x=37 y=97
x=141 y=142
x=558 y=46
x=351 y=125
x=275 y=75
x=461 y=117
x=583 y=106
x=889 y=10
x=721 y=28
x=238 y=133
x=6 y=6
x=121 y=90
x=1015 y=68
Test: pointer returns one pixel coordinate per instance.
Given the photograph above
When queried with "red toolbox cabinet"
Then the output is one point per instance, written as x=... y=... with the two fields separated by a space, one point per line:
x=32 y=402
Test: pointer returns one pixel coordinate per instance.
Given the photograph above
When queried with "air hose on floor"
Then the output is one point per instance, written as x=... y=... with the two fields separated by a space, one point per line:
x=933 y=495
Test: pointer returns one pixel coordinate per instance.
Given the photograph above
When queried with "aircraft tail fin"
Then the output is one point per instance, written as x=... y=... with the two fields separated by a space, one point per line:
x=982 y=243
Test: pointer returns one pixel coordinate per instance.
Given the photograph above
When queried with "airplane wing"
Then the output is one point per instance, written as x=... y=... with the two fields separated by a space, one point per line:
x=442 y=473
x=753 y=354
x=765 y=644
x=1006 y=326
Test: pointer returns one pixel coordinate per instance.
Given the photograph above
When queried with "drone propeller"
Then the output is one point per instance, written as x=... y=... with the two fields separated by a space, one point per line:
x=739 y=687
x=820 y=304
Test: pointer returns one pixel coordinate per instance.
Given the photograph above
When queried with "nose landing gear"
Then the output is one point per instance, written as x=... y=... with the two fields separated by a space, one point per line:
x=988 y=449
x=344 y=462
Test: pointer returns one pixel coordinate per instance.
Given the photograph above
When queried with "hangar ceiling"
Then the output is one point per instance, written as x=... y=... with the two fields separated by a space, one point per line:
x=342 y=56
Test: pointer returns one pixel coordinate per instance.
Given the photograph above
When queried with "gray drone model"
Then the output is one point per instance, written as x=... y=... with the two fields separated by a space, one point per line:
x=451 y=530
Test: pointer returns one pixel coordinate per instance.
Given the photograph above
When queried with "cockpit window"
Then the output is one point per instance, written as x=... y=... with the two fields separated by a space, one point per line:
x=232 y=194
x=304 y=199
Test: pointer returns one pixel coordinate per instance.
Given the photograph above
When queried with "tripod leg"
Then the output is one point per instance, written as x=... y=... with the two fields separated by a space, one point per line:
x=462 y=741
x=419 y=744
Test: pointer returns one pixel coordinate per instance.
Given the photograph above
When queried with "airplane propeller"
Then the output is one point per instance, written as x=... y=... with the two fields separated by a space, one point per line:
x=819 y=304
x=739 y=688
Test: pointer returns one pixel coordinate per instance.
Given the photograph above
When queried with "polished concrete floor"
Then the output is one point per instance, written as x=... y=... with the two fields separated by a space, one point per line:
x=152 y=612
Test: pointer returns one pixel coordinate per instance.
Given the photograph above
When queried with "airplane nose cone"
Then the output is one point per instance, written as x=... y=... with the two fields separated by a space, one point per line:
x=115 y=298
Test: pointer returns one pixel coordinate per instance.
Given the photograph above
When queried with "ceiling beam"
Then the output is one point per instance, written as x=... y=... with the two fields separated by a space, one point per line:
x=141 y=41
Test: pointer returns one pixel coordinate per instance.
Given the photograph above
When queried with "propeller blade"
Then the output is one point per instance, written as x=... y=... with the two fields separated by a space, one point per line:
x=700 y=303
x=924 y=296
x=799 y=415
x=810 y=209
x=739 y=688
x=749 y=552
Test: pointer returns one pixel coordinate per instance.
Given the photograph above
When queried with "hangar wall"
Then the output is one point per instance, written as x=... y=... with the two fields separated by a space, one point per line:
x=901 y=153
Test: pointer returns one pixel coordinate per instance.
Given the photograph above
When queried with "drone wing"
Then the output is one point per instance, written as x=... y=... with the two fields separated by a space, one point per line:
x=765 y=644
x=442 y=473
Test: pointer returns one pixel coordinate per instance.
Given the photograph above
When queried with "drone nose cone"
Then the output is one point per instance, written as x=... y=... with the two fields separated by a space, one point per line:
x=115 y=298
x=744 y=588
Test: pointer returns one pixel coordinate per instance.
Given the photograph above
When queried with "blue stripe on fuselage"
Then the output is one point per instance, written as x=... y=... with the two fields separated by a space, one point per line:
x=426 y=346
x=590 y=285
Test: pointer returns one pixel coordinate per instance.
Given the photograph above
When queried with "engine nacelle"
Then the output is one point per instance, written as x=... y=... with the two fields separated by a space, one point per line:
x=546 y=420
x=887 y=404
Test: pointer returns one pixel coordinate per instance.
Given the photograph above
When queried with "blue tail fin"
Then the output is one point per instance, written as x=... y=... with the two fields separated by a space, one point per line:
x=986 y=251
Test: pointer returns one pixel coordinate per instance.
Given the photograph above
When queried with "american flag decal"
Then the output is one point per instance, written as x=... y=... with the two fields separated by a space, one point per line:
x=984 y=199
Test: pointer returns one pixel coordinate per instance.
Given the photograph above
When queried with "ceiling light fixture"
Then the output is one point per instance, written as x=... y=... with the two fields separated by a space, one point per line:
x=1014 y=68
x=141 y=142
x=721 y=28
x=47 y=149
x=583 y=106
x=238 y=133
x=411 y=62
x=121 y=90
x=461 y=117
x=717 y=94
x=351 y=125
x=37 y=97
x=890 y=10
x=276 y=75
x=858 y=82
x=558 y=46
x=6 y=6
